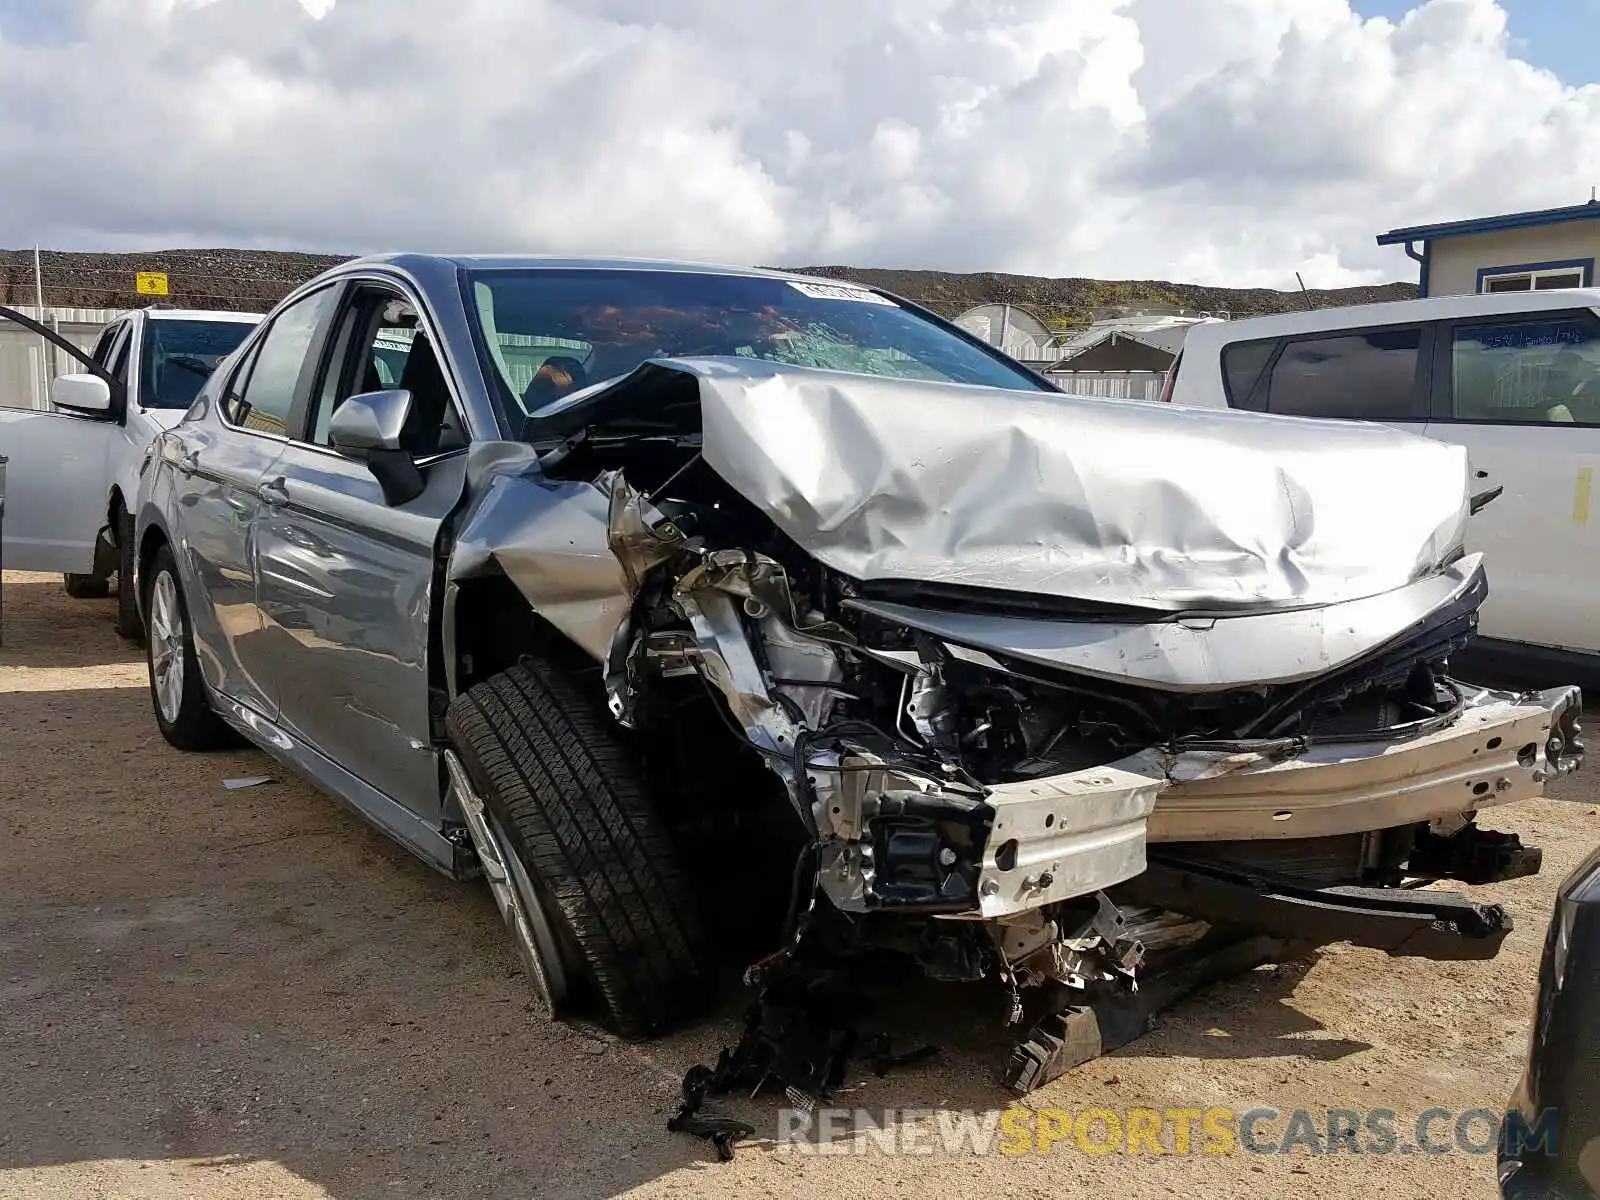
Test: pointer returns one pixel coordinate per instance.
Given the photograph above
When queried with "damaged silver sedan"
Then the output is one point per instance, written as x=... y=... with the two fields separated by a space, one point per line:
x=699 y=607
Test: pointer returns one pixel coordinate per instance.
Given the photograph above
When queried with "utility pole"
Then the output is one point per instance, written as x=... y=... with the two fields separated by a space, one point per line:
x=44 y=346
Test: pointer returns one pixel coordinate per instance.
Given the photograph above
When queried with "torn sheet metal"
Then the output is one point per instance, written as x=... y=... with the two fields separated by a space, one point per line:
x=1251 y=649
x=1065 y=836
x=1110 y=502
x=550 y=539
x=1501 y=750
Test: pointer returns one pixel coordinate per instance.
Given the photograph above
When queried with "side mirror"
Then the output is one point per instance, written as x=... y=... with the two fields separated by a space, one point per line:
x=370 y=421
x=368 y=426
x=81 y=394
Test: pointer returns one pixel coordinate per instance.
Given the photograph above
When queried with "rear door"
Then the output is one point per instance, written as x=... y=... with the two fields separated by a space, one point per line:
x=221 y=462
x=57 y=477
x=1522 y=394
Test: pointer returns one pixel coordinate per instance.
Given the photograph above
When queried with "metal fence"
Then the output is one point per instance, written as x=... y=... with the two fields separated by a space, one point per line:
x=28 y=362
x=1111 y=385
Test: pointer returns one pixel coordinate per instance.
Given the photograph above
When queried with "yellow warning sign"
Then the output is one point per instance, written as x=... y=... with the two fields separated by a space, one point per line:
x=150 y=283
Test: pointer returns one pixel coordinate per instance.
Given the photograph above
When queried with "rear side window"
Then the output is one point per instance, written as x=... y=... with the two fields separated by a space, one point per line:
x=1242 y=364
x=1369 y=376
x=1542 y=371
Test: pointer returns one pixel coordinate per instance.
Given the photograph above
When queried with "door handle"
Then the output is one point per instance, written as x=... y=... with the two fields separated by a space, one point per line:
x=1481 y=500
x=188 y=463
x=274 y=492
x=1481 y=474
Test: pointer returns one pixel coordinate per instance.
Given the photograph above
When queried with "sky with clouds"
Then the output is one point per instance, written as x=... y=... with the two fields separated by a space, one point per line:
x=1229 y=141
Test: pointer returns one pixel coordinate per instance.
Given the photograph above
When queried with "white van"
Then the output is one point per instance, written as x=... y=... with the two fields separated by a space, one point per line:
x=1513 y=377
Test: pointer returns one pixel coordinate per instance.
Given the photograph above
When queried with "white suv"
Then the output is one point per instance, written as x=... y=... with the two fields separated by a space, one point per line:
x=144 y=371
x=1515 y=378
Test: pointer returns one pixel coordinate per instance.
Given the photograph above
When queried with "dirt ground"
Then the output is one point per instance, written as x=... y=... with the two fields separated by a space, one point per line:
x=251 y=994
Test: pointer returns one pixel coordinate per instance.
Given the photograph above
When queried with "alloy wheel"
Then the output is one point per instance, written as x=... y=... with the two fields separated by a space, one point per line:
x=166 y=645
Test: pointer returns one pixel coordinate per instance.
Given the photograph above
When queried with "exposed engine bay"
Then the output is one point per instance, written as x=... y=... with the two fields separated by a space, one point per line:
x=993 y=715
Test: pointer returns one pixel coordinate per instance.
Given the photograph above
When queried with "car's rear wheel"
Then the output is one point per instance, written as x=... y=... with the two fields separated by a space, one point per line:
x=565 y=800
x=86 y=587
x=177 y=692
x=128 y=623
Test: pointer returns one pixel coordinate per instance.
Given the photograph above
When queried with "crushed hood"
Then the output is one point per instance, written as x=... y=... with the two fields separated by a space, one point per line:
x=1110 y=502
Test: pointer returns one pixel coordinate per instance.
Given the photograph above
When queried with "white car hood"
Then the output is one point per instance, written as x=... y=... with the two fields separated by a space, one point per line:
x=1107 y=501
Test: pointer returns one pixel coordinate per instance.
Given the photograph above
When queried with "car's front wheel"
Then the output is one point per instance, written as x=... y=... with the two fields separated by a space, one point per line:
x=177 y=692
x=595 y=894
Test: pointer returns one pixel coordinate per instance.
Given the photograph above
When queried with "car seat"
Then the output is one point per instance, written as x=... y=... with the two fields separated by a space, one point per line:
x=430 y=399
x=556 y=376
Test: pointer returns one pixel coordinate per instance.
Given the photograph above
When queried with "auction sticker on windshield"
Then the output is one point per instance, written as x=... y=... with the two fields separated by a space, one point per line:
x=831 y=291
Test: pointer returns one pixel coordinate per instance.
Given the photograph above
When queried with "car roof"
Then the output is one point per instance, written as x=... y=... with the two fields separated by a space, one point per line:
x=201 y=314
x=543 y=262
x=1395 y=312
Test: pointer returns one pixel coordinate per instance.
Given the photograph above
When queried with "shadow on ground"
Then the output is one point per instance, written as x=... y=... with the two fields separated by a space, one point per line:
x=42 y=627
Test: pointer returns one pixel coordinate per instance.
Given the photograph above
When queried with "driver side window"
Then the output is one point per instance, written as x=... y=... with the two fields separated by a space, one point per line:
x=383 y=344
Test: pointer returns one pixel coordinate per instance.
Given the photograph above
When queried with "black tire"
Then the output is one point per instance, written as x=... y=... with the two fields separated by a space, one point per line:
x=129 y=624
x=86 y=587
x=571 y=801
x=191 y=725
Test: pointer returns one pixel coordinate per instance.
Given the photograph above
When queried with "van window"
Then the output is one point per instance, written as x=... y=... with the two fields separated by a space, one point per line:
x=1368 y=376
x=1544 y=371
x=1242 y=364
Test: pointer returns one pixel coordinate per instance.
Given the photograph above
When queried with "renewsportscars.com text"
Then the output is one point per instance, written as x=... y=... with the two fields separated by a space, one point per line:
x=1212 y=1131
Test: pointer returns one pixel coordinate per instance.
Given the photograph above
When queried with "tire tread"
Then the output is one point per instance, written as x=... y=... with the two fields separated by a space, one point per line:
x=570 y=796
x=198 y=727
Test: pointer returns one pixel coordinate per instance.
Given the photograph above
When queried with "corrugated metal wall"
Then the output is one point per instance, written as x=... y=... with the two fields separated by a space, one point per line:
x=1110 y=385
x=28 y=362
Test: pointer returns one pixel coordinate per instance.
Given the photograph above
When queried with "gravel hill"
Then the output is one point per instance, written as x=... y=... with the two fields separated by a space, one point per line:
x=255 y=279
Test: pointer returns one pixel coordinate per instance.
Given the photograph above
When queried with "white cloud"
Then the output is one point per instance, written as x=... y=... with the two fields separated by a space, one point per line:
x=1234 y=141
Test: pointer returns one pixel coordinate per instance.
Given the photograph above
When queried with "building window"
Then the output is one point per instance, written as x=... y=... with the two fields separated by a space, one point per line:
x=1537 y=277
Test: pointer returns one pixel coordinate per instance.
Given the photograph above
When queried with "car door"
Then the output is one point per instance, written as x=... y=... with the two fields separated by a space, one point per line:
x=221 y=458
x=57 y=476
x=346 y=581
x=1522 y=394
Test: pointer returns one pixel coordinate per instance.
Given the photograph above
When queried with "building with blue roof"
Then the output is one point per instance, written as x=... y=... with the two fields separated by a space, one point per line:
x=1518 y=252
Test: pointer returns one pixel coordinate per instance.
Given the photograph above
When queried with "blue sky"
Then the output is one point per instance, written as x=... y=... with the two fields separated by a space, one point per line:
x=1560 y=35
